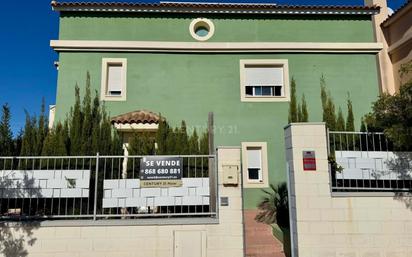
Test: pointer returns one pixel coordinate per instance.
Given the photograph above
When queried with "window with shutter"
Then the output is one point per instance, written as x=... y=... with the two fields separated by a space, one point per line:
x=255 y=164
x=254 y=160
x=264 y=80
x=114 y=79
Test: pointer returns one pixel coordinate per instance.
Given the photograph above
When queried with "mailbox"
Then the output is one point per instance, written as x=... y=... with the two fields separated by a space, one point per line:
x=230 y=174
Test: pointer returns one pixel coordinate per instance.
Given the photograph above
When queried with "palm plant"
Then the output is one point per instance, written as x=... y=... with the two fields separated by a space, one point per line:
x=274 y=208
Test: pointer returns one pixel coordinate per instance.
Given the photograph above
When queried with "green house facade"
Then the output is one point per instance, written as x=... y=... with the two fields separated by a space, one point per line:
x=184 y=60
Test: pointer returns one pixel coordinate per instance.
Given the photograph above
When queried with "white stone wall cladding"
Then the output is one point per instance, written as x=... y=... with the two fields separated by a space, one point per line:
x=369 y=165
x=224 y=239
x=44 y=183
x=349 y=226
x=127 y=193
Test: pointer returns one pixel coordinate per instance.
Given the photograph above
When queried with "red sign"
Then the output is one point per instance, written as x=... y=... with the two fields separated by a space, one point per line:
x=309 y=160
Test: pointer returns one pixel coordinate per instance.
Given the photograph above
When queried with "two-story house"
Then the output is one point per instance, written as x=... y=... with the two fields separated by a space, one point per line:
x=184 y=60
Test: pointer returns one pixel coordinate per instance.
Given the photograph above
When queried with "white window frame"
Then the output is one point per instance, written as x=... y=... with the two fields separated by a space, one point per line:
x=105 y=64
x=264 y=181
x=283 y=63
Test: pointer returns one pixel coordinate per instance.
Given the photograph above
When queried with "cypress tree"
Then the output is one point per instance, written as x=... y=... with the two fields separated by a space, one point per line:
x=161 y=136
x=171 y=146
x=204 y=143
x=61 y=135
x=149 y=147
x=116 y=144
x=105 y=140
x=28 y=147
x=135 y=145
x=183 y=139
x=293 y=111
x=328 y=107
x=6 y=136
x=177 y=147
x=17 y=143
x=96 y=120
x=340 y=122
x=329 y=114
x=194 y=143
x=85 y=131
x=95 y=139
x=87 y=124
x=75 y=126
x=204 y=150
x=323 y=93
x=41 y=131
x=305 y=114
x=363 y=126
x=49 y=144
x=350 y=120
x=299 y=113
x=66 y=136
x=54 y=142
x=141 y=144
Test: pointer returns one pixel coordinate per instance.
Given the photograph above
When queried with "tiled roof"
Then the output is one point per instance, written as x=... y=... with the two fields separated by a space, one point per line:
x=244 y=8
x=139 y=116
x=398 y=12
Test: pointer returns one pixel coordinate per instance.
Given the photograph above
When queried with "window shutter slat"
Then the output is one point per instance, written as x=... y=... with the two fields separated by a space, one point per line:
x=254 y=158
x=114 y=80
x=264 y=76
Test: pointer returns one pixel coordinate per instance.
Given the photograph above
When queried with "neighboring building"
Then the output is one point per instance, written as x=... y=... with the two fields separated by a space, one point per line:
x=52 y=114
x=398 y=33
x=394 y=31
x=184 y=60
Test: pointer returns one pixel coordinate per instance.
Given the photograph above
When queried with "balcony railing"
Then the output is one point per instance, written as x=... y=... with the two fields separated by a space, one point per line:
x=367 y=162
x=101 y=187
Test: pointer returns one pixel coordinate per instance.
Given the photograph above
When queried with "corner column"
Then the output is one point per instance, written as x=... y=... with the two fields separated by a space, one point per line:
x=307 y=185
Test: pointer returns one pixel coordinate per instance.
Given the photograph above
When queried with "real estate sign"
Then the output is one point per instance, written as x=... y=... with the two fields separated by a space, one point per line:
x=158 y=171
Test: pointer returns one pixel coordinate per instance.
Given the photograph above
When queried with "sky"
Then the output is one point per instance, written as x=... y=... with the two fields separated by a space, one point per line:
x=27 y=70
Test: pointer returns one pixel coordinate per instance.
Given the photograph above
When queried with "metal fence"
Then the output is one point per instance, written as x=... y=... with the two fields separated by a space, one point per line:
x=101 y=187
x=367 y=162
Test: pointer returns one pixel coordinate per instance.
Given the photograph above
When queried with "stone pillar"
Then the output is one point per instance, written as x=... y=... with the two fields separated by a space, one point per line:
x=302 y=184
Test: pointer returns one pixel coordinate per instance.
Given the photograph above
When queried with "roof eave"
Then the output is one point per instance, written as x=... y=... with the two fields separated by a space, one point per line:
x=232 y=9
x=399 y=13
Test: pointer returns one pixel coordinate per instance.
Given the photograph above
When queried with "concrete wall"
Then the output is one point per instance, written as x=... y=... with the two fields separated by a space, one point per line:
x=199 y=237
x=350 y=226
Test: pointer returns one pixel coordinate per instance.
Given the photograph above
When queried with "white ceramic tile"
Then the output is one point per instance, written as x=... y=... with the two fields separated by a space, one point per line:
x=110 y=183
x=144 y=192
x=164 y=201
x=122 y=192
x=204 y=191
x=178 y=191
x=133 y=183
x=109 y=203
x=71 y=193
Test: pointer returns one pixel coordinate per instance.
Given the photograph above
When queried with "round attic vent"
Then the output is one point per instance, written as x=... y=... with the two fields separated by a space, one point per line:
x=201 y=29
